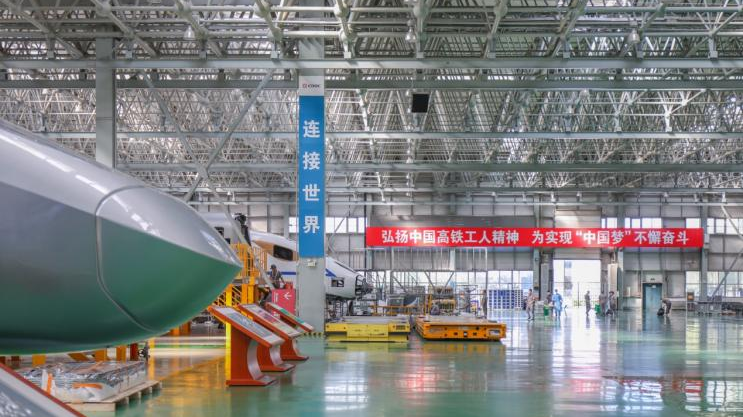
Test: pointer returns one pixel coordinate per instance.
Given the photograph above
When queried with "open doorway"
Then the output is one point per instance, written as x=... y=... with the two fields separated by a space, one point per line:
x=573 y=277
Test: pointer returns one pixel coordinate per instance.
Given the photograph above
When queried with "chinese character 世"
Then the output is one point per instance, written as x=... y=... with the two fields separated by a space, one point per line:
x=311 y=192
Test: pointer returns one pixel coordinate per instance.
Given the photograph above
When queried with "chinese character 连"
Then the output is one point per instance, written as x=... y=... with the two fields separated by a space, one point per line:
x=311 y=129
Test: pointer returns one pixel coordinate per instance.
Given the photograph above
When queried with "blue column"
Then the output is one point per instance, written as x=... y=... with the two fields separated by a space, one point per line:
x=311 y=170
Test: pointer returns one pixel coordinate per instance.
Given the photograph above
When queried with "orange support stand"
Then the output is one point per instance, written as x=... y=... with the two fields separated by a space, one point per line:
x=121 y=353
x=290 y=318
x=134 y=352
x=246 y=339
x=101 y=355
x=289 y=350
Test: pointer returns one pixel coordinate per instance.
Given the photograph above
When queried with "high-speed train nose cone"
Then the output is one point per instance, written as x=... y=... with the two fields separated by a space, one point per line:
x=90 y=257
x=157 y=255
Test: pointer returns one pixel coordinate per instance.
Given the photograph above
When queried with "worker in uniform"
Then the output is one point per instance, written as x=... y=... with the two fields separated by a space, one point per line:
x=602 y=303
x=276 y=278
x=274 y=275
x=610 y=303
x=587 y=299
x=531 y=300
x=557 y=301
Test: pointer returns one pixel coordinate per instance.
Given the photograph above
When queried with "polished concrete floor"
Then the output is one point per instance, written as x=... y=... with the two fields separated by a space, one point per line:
x=576 y=367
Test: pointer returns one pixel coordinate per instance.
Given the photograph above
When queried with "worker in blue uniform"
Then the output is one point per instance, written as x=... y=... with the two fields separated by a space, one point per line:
x=557 y=302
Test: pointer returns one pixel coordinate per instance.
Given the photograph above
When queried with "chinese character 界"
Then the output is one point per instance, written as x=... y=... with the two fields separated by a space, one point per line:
x=311 y=224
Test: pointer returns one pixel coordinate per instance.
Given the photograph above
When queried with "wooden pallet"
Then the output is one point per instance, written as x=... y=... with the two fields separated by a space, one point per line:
x=110 y=404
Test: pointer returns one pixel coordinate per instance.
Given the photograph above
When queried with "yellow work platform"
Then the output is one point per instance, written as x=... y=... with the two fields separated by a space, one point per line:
x=459 y=328
x=393 y=329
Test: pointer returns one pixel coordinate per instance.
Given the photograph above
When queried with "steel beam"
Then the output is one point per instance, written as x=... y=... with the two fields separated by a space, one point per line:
x=387 y=63
x=386 y=85
x=292 y=136
x=250 y=166
x=105 y=109
x=484 y=190
x=233 y=126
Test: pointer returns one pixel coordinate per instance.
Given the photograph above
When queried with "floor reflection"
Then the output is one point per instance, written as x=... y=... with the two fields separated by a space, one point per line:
x=628 y=365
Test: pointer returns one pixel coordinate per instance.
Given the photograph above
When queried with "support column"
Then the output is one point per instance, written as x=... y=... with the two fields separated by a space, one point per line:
x=105 y=103
x=539 y=275
x=703 y=254
x=311 y=182
x=620 y=261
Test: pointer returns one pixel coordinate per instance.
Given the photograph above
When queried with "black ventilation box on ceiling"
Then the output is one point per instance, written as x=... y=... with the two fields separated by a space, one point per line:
x=420 y=103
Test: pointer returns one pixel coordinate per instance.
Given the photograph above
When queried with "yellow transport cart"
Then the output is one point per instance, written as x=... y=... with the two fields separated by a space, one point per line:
x=390 y=329
x=458 y=328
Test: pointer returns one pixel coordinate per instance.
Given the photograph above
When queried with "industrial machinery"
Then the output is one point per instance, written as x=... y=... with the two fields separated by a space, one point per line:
x=341 y=282
x=90 y=257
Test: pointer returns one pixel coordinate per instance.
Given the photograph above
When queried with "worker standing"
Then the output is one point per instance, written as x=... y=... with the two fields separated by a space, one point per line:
x=485 y=304
x=610 y=304
x=557 y=300
x=531 y=300
x=602 y=303
x=587 y=298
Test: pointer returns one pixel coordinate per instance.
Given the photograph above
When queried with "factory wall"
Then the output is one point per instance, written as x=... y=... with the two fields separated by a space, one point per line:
x=668 y=266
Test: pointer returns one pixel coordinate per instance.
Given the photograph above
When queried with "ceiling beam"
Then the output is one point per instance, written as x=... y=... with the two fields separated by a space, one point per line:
x=250 y=166
x=484 y=190
x=387 y=63
x=420 y=135
x=383 y=84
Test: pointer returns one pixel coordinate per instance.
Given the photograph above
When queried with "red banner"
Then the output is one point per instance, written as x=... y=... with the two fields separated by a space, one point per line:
x=533 y=237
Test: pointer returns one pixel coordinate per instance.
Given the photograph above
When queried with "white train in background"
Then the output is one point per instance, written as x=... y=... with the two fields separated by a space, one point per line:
x=341 y=283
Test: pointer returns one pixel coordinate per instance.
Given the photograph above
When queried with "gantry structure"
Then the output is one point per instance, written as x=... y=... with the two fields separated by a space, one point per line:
x=526 y=96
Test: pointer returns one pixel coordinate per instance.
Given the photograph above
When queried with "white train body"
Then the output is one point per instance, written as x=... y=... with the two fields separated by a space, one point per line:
x=341 y=282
